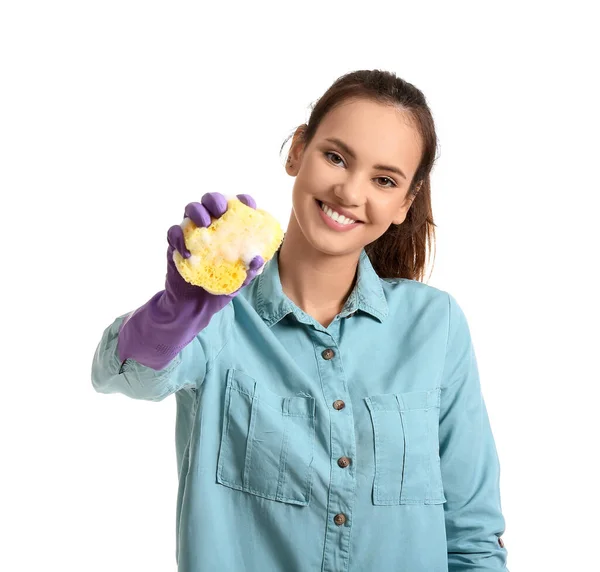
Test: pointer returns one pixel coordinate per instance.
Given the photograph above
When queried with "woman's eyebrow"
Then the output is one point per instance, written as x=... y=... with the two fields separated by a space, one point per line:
x=352 y=154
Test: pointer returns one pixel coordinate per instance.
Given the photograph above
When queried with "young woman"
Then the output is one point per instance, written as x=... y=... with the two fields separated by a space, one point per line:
x=329 y=413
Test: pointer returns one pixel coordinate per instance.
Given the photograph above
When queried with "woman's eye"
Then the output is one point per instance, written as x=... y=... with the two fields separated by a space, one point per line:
x=327 y=153
x=387 y=179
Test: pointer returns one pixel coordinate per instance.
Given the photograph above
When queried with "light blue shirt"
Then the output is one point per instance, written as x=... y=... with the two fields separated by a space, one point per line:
x=362 y=446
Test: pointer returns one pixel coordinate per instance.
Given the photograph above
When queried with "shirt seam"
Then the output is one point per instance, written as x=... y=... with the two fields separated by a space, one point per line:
x=447 y=344
x=455 y=382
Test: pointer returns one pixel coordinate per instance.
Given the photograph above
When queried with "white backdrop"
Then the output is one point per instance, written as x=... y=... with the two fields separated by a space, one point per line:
x=115 y=114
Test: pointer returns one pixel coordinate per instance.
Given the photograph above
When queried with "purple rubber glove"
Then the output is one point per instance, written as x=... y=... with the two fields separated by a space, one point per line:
x=157 y=331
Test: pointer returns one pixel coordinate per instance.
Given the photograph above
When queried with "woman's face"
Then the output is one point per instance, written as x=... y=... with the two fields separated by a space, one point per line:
x=350 y=174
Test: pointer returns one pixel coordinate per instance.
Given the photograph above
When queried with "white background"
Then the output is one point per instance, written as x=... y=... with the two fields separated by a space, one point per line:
x=115 y=114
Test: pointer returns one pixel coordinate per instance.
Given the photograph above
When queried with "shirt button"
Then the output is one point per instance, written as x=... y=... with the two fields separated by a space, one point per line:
x=338 y=404
x=328 y=353
x=501 y=542
x=343 y=462
x=339 y=519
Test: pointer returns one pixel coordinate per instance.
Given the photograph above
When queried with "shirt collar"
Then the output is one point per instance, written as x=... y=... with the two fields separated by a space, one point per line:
x=272 y=304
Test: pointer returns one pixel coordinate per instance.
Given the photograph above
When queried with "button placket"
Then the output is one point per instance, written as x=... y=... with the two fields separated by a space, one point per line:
x=343 y=462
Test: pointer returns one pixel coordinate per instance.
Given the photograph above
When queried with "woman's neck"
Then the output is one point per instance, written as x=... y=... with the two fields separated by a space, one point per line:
x=316 y=282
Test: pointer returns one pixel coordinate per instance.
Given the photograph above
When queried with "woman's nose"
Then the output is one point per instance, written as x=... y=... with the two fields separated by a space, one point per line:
x=349 y=192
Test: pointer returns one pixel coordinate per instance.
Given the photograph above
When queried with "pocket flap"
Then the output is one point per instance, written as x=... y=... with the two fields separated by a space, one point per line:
x=294 y=405
x=406 y=401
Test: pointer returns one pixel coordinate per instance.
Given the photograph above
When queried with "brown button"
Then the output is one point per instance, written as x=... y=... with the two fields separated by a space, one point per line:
x=338 y=404
x=343 y=462
x=328 y=353
x=339 y=519
x=500 y=541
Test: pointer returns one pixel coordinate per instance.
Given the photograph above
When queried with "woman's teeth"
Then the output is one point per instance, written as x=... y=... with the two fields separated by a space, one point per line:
x=336 y=216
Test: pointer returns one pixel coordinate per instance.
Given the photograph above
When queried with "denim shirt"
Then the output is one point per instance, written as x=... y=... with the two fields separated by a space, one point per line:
x=361 y=446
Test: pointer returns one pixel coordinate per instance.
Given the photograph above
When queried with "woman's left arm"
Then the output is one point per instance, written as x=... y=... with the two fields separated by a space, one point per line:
x=469 y=460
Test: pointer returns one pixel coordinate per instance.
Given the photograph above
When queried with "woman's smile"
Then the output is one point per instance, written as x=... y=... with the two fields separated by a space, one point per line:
x=341 y=225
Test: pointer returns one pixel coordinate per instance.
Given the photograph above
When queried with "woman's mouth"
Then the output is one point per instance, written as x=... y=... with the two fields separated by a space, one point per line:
x=341 y=224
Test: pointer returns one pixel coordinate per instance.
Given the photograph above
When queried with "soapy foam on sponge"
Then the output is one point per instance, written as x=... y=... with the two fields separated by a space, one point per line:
x=221 y=253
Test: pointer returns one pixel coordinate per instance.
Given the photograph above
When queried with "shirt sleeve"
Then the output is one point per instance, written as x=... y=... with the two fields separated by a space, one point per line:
x=138 y=381
x=469 y=460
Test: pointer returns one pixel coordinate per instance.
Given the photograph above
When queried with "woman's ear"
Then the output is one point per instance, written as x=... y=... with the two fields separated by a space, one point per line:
x=294 y=159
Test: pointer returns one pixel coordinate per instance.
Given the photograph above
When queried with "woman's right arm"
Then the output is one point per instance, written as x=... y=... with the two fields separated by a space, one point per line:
x=167 y=343
x=187 y=369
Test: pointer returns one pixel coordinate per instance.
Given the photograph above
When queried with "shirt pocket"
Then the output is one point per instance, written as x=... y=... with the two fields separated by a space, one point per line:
x=267 y=441
x=406 y=438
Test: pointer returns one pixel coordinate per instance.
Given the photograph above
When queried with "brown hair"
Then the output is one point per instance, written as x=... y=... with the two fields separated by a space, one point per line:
x=403 y=250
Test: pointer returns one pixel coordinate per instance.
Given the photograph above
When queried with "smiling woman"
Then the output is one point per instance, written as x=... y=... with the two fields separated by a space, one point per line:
x=331 y=408
x=366 y=153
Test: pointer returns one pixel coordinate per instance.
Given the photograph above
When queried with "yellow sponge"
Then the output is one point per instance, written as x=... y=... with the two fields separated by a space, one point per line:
x=221 y=252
